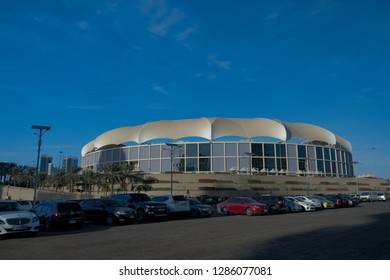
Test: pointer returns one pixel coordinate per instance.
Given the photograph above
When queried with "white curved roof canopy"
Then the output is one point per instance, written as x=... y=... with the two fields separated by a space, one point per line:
x=215 y=128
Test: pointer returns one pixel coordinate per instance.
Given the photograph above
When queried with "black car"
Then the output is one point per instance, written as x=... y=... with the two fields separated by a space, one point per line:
x=337 y=199
x=143 y=204
x=59 y=214
x=198 y=209
x=275 y=203
x=108 y=211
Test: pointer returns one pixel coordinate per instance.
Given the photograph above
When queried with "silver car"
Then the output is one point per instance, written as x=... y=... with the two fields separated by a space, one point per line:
x=14 y=219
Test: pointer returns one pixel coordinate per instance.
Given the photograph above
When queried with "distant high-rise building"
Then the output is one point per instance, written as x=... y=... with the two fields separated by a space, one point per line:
x=46 y=160
x=68 y=162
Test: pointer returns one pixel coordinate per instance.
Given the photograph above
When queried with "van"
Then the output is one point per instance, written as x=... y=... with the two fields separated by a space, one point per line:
x=368 y=196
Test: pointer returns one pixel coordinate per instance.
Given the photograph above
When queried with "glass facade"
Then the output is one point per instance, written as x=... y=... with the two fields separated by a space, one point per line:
x=230 y=157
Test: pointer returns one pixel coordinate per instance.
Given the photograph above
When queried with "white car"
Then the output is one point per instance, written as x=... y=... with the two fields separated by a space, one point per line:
x=14 y=219
x=306 y=206
x=381 y=196
x=317 y=204
x=174 y=203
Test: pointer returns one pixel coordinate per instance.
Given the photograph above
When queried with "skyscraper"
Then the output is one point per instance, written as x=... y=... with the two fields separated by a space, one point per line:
x=46 y=160
x=68 y=162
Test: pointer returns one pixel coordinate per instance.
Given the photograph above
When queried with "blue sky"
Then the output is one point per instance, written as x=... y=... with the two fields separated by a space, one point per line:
x=86 y=67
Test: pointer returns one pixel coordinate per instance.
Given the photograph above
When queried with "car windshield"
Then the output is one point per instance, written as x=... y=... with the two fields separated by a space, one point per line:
x=194 y=201
x=112 y=203
x=249 y=200
x=140 y=197
x=10 y=206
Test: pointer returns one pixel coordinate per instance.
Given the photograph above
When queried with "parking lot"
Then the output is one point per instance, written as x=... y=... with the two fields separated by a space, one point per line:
x=359 y=232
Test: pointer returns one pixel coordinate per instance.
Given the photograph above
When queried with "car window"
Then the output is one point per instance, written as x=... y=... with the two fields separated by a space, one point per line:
x=68 y=206
x=112 y=203
x=10 y=206
x=179 y=198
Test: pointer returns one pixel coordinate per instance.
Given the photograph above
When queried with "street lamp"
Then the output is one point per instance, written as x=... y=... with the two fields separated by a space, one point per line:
x=42 y=130
x=172 y=147
x=59 y=165
x=356 y=178
x=250 y=172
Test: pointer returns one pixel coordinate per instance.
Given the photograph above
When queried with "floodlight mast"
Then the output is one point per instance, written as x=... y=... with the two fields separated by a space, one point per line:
x=42 y=130
x=172 y=147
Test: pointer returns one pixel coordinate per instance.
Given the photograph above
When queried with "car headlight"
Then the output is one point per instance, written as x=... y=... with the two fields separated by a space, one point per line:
x=34 y=219
x=120 y=212
x=2 y=222
x=150 y=206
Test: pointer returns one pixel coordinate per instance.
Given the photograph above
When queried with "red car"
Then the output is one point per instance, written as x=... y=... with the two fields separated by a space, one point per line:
x=243 y=205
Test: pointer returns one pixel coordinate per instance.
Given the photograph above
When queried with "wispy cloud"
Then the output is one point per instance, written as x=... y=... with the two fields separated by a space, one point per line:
x=205 y=76
x=181 y=36
x=160 y=89
x=162 y=18
x=213 y=59
x=83 y=25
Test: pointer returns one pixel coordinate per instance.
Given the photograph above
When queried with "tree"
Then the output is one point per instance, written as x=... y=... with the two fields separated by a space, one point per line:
x=111 y=174
x=71 y=177
x=88 y=178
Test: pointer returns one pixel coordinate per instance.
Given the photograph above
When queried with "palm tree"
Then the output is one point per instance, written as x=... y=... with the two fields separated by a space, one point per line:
x=71 y=177
x=111 y=174
x=57 y=179
x=88 y=178
x=17 y=174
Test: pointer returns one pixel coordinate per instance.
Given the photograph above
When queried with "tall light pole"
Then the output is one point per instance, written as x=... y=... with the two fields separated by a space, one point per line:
x=172 y=147
x=250 y=172
x=356 y=178
x=42 y=130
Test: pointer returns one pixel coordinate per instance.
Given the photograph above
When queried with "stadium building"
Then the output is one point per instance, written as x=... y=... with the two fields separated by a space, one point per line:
x=224 y=145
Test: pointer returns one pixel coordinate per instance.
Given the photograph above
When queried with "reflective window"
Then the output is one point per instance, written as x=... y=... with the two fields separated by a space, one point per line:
x=116 y=156
x=319 y=153
x=310 y=151
x=326 y=153
x=243 y=148
x=218 y=165
x=257 y=163
x=218 y=149
x=231 y=149
x=292 y=165
x=144 y=152
x=155 y=151
x=269 y=150
x=269 y=163
x=327 y=167
x=257 y=149
x=231 y=164
x=291 y=151
x=280 y=150
x=320 y=166
x=333 y=154
x=204 y=150
x=281 y=163
x=204 y=164
x=191 y=150
x=191 y=165
x=301 y=151
x=134 y=153
x=155 y=165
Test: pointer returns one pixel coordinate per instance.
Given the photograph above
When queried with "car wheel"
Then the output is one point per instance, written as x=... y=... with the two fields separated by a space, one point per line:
x=249 y=212
x=140 y=215
x=193 y=214
x=273 y=209
x=225 y=211
x=110 y=221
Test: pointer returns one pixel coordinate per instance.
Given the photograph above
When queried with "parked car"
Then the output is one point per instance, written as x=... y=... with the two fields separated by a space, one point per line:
x=26 y=204
x=368 y=196
x=381 y=196
x=14 y=219
x=176 y=204
x=352 y=201
x=305 y=205
x=275 y=203
x=303 y=198
x=144 y=206
x=243 y=205
x=108 y=211
x=293 y=206
x=59 y=214
x=326 y=203
x=198 y=209
x=337 y=199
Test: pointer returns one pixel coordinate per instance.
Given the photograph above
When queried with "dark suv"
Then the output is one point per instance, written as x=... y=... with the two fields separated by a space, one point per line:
x=275 y=203
x=59 y=213
x=143 y=204
x=108 y=211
